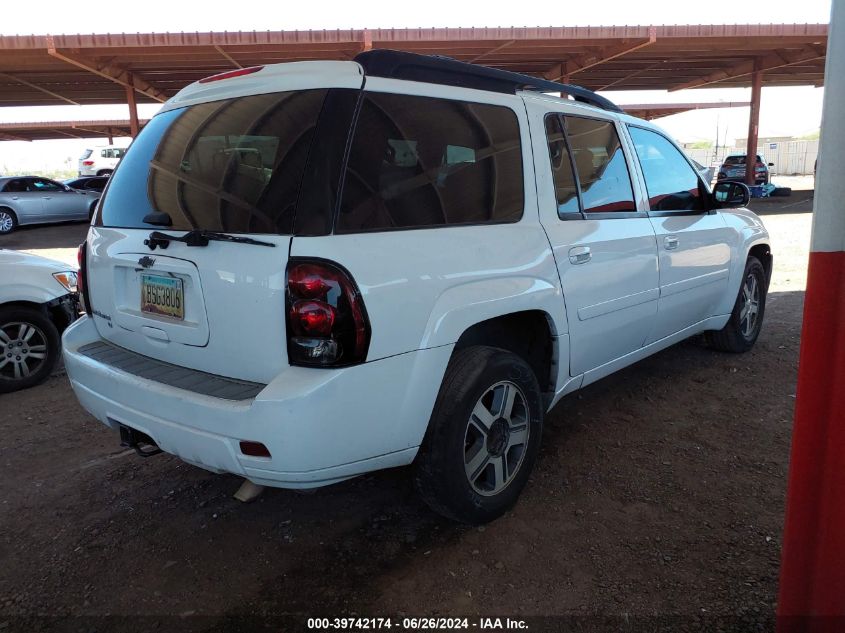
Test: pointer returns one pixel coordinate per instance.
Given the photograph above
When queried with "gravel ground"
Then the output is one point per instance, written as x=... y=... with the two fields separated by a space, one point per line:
x=657 y=504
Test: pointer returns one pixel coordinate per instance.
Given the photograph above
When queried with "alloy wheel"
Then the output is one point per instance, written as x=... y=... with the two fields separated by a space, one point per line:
x=6 y=222
x=23 y=350
x=748 y=315
x=496 y=438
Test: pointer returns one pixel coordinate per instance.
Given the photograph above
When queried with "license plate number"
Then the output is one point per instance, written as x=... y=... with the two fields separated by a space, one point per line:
x=162 y=296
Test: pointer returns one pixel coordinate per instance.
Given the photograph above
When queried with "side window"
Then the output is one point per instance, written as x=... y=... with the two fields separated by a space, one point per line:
x=118 y=152
x=671 y=181
x=105 y=153
x=566 y=189
x=600 y=164
x=15 y=186
x=422 y=162
x=42 y=184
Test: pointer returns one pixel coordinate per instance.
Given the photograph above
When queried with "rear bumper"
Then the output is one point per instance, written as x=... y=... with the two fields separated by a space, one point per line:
x=320 y=425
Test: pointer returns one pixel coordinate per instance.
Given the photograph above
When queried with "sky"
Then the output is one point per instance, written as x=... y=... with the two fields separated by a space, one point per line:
x=784 y=112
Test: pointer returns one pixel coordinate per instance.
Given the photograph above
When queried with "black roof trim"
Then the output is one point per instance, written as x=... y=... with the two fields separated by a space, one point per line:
x=436 y=69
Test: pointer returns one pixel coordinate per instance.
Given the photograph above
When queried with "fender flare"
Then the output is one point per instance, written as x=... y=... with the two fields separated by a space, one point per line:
x=462 y=306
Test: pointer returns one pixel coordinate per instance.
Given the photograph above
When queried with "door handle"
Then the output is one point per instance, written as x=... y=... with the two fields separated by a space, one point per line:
x=670 y=242
x=580 y=255
x=46 y=197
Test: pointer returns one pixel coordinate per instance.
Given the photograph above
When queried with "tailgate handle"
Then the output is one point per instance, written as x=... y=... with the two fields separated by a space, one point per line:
x=154 y=332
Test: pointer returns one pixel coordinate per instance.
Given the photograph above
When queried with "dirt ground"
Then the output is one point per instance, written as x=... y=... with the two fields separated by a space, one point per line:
x=657 y=502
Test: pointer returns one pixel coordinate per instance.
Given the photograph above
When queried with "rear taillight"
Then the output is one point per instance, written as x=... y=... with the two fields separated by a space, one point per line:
x=229 y=74
x=82 y=277
x=88 y=162
x=327 y=324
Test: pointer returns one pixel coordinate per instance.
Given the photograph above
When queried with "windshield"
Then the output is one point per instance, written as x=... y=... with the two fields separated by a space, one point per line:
x=233 y=165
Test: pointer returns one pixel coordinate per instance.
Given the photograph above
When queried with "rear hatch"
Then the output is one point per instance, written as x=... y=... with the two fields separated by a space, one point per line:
x=232 y=166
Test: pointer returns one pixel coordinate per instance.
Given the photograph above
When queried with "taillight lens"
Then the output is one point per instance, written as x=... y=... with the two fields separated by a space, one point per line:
x=327 y=323
x=88 y=162
x=82 y=277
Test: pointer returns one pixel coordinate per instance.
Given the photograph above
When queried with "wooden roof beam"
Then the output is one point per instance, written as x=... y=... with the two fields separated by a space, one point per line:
x=113 y=72
x=588 y=60
x=776 y=59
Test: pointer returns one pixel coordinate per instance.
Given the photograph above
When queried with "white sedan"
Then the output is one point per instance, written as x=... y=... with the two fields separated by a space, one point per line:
x=38 y=300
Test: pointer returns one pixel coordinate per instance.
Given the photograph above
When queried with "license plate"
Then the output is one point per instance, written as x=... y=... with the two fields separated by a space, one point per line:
x=162 y=296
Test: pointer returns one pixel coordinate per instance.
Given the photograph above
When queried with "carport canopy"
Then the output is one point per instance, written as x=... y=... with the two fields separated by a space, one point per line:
x=151 y=67
x=49 y=130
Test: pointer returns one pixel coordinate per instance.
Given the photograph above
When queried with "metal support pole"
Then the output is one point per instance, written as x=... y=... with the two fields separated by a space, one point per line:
x=133 y=110
x=812 y=576
x=753 y=124
x=111 y=137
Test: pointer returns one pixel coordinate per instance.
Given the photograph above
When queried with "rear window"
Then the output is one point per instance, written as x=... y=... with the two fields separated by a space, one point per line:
x=85 y=154
x=232 y=165
x=419 y=162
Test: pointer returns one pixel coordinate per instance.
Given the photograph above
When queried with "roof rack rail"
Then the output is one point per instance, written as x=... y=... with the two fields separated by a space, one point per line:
x=437 y=69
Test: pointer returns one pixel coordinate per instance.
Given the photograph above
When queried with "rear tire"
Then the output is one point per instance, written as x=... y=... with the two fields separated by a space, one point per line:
x=29 y=347
x=743 y=327
x=483 y=437
x=8 y=221
x=105 y=172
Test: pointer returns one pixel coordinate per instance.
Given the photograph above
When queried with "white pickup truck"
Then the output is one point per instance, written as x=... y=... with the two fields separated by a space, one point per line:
x=303 y=272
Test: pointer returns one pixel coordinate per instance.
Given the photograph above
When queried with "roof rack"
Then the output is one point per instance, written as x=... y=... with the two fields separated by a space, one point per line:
x=451 y=72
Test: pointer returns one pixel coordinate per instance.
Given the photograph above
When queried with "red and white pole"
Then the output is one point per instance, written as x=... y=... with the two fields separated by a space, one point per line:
x=812 y=581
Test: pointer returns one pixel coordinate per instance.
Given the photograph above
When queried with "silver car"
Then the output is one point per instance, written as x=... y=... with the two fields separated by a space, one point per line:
x=34 y=200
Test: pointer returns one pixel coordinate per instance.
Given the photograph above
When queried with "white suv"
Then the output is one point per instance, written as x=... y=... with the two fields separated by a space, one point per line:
x=304 y=272
x=100 y=161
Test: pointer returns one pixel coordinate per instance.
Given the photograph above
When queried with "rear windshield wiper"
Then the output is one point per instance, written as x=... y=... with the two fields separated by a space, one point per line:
x=198 y=237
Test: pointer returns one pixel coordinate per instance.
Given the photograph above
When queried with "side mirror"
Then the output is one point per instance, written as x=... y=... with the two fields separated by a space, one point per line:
x=730 y=195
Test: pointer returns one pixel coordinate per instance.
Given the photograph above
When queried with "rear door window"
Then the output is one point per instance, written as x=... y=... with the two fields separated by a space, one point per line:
x=599 y=160
x=672 y=183
x=42 y=184
x=233 y=165
x=563 y=176
x=419 y=162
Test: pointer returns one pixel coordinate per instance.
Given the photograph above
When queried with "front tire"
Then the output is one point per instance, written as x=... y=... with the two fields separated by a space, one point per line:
x=8 y=221
x=29 y=348
x=742 y=329
x=483 y=436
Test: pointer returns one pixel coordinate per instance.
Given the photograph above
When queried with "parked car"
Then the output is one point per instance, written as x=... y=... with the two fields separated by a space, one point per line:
x=733 y=169
x=34 y=200
x=38 y=301
x=88 y=183
x=100 y=161
x=437 y=257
